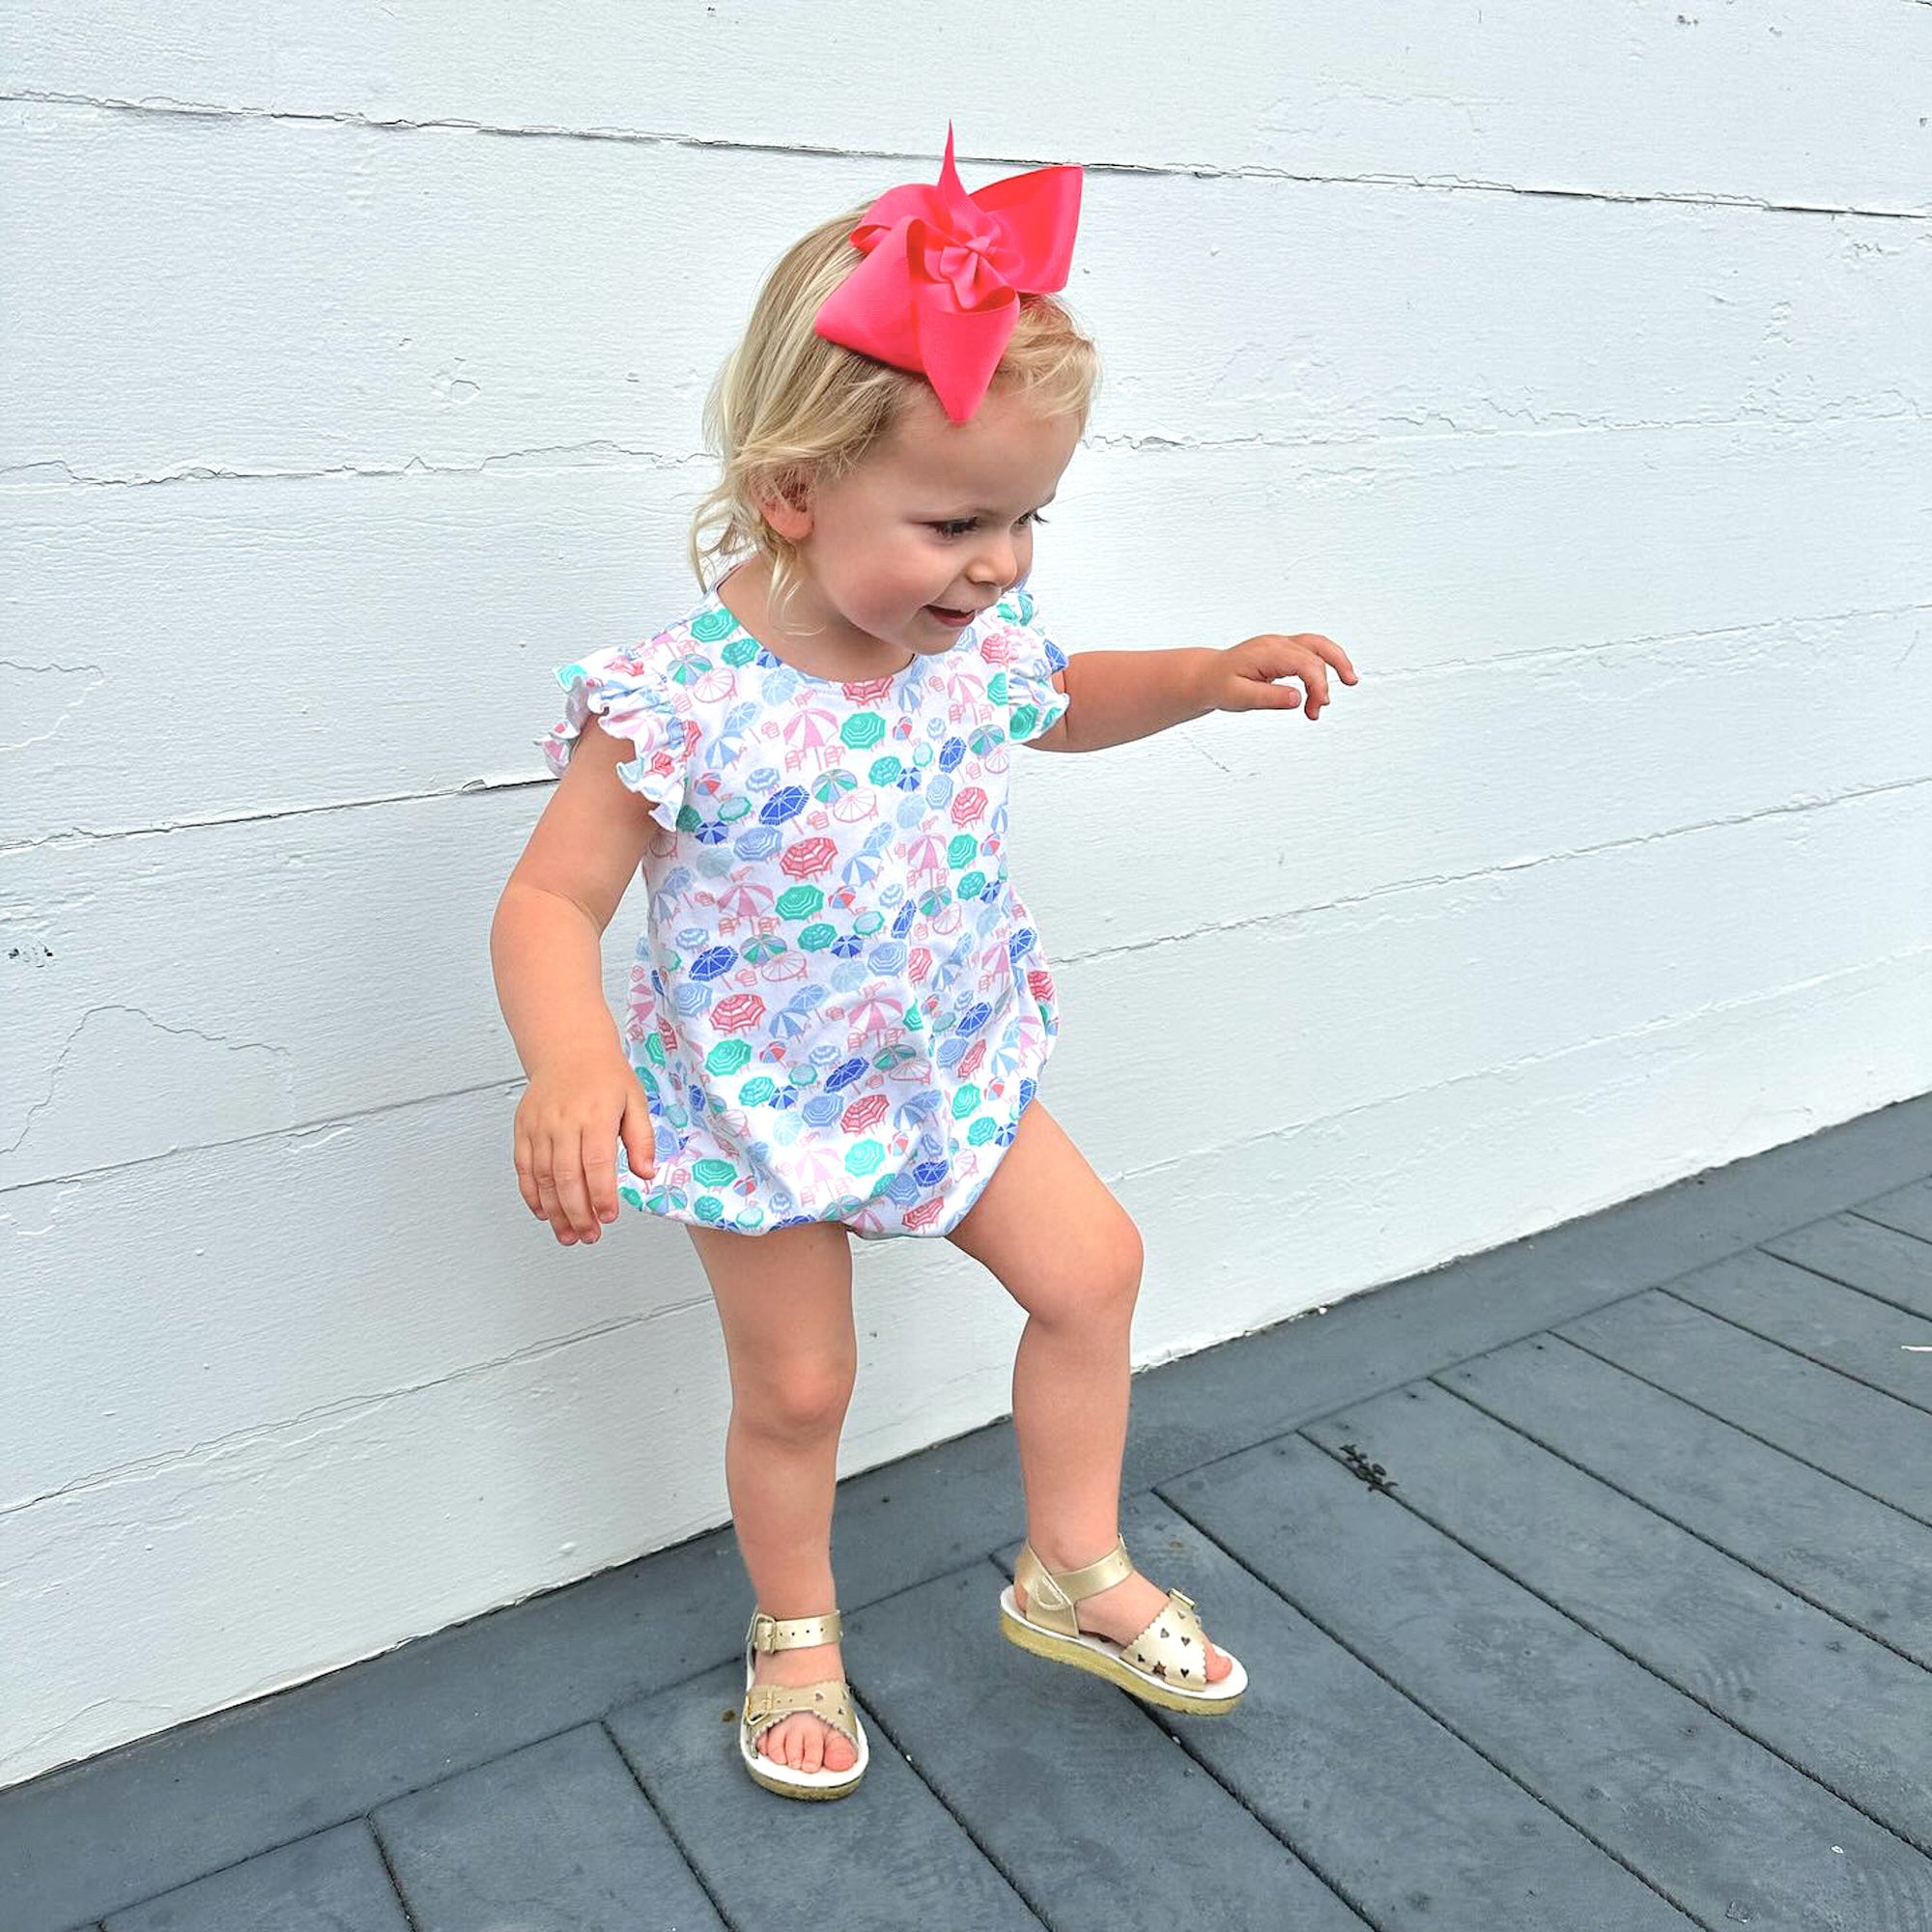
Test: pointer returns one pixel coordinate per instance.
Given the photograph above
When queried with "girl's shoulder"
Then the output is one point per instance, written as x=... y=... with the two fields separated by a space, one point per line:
x=669 y=651
x=1012 y=634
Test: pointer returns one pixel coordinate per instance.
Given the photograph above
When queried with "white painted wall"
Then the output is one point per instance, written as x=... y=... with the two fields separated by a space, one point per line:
x=1570 y=368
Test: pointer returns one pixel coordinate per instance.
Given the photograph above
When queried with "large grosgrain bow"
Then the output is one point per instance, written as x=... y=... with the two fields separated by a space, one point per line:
x=939 y=289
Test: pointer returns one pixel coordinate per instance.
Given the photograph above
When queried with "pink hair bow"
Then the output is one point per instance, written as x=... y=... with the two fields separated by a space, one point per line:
x=938 y=292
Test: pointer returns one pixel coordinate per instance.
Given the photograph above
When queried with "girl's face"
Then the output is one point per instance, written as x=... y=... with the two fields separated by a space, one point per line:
x=937 y=514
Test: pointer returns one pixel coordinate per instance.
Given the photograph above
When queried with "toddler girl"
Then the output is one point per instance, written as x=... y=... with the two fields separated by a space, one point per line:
x=841 y=1007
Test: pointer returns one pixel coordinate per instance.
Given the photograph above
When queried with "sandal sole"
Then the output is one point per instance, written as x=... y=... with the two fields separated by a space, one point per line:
x=1101 y=1655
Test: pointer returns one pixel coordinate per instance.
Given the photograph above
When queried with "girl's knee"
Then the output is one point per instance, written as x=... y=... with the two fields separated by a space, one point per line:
x=1101 y=1279
x=803 y=1398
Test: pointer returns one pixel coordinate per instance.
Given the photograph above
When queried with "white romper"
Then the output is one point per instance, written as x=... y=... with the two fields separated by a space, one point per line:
x=839 y=1007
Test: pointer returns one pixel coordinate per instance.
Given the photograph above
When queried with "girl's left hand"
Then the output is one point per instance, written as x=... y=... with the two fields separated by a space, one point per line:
x=1241 y=677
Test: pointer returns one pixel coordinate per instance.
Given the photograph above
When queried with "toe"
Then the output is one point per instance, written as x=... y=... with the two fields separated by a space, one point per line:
x=1218 y=1667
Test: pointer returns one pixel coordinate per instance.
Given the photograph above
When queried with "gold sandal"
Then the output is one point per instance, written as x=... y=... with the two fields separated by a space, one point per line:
x=1165 y=1665
x=766 y=1704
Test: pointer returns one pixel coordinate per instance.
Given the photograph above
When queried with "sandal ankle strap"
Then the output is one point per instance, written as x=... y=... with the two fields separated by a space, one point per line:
x=1052 y=1594
x=793 y=1632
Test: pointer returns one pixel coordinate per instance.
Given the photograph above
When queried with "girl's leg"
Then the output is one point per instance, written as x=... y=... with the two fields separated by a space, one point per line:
x=784 y=1301
x=1067 y=1251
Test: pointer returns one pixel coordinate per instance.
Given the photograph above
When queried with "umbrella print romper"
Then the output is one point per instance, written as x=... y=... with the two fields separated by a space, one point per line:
x=839 y=1007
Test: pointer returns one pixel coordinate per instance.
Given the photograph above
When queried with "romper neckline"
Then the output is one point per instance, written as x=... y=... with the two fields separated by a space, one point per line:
x=715 y=600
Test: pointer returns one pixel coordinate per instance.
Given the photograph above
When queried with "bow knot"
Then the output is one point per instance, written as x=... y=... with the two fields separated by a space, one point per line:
x=938 y=291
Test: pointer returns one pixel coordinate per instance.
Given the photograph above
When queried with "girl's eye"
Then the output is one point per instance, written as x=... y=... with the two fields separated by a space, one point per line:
x=960 y=525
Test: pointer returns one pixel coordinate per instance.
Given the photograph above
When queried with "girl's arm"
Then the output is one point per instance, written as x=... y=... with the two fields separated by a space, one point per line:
x=545 y=942
x=1114 y=696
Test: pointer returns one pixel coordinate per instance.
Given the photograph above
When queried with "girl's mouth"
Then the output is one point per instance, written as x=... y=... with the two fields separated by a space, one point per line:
x=955 y=620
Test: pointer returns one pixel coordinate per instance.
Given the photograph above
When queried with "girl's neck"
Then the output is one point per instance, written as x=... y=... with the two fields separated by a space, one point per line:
x=745 y=590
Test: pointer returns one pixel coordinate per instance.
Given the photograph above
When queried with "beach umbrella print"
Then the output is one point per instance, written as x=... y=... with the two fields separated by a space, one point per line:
x=855 y=808
x=809 y=729
x=833 y=784
x=738 y=1013
x=865 y=1113
x=797 y=1018
x=965 y=687
x=688 y=665
x=915 y=1107
x=785 y=803
x=925 y=854
x=808 y=858
x=728 y=741
x=767 y=946
x=872 y=1011
x=745 y=898
x=817 y=1168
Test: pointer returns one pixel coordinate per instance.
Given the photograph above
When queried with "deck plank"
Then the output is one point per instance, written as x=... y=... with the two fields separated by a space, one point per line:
x=1843 y=1551
x=551 y=1838
x=321 y=1884
x=1843 y=1328
x=1867 y=1439
x=1865 y=1255
x=891 y=1854
x=1067 y=1783
x=1719 y=1825
x=1853 y=1713
x=1396 y=1813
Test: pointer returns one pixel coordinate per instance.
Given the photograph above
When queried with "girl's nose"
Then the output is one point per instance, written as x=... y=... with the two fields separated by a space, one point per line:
x=997 y=565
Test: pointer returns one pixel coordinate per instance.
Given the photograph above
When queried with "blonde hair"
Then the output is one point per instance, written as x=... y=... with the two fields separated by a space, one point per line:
x=789 y=410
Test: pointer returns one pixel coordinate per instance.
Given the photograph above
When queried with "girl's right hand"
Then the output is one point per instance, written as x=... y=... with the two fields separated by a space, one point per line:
x=566 y=1130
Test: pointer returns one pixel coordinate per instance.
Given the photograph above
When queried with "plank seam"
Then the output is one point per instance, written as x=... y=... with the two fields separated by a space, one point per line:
x=1636 y=1375
x=682 y=1850
x=1790 y=1588
x=1418 y=1702
x=886 y=1731
x=1791 y=1349
x=1806 y=1771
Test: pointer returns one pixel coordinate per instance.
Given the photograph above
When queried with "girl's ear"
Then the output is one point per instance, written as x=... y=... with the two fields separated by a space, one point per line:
x=786 y=506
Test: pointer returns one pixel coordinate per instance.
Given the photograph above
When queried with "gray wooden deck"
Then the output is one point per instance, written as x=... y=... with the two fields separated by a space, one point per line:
x=1636 y=1636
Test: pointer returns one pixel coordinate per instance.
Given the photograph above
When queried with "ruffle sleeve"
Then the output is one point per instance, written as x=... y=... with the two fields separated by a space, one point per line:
x=1035 y=704
x=632 y=700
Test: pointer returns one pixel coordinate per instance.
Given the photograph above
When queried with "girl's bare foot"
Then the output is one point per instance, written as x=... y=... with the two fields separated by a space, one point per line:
x=1122 y=1610
x=802 y=1741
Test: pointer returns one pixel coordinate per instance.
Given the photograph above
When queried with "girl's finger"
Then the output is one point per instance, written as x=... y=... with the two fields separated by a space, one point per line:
x=639 y=1138
x=600 y=1173
x=526 y=1180
x=571 y=1189
x=552 y=1165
